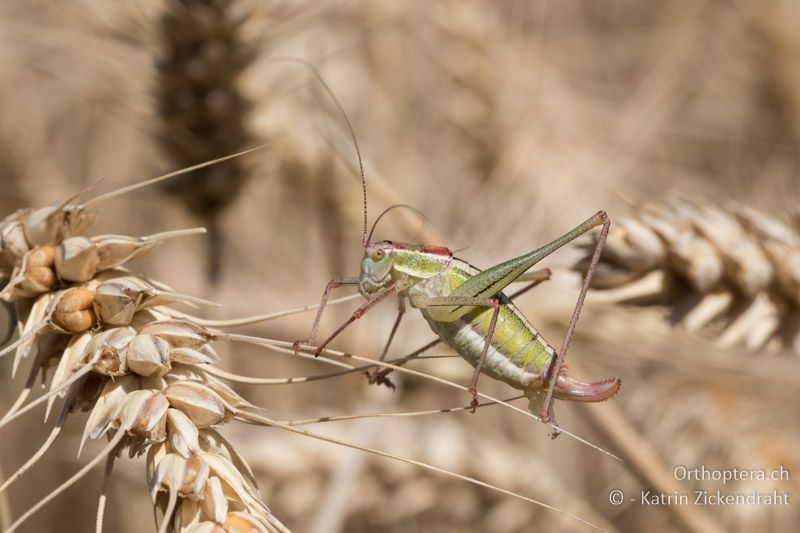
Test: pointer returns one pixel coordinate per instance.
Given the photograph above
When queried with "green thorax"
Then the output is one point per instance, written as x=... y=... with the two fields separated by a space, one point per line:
x=419 y=261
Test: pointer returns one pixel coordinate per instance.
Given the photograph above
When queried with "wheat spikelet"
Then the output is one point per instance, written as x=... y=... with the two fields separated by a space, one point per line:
x=202 y=108
x=734 y=270
x=120 y=353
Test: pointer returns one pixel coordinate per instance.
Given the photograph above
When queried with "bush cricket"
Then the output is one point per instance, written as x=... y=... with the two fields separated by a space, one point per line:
x=467 y=309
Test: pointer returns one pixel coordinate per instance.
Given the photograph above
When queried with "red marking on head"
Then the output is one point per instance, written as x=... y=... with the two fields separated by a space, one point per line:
x=433 y=250
x=437 y=250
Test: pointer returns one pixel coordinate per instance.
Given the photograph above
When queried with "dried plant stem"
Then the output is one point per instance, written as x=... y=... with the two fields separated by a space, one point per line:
x=185 y=170
x=307 y=353
x=5 y=506
x=68 y=483
x=27 y=388
x=173 y=234
x=405 y=414
x=51 y=438
x=274 y=423
x=244 y=321
x=167 y=518
x=237 y=378
x=35 y=330
x=49 y=394
x=101 y=502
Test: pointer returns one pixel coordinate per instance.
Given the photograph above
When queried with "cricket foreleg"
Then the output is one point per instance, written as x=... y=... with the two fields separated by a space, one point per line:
x=332 y=284
x=551 y=376
x=358 y=313
x=378 y=375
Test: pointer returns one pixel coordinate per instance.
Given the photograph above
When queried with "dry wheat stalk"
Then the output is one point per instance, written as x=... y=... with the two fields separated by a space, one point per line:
x=735 y=268
x=201 y=105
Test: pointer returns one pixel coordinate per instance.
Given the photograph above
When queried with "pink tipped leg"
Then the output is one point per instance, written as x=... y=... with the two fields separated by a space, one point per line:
x=600 y=218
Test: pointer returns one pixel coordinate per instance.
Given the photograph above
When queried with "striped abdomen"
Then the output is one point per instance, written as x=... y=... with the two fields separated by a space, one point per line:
x=518 y=354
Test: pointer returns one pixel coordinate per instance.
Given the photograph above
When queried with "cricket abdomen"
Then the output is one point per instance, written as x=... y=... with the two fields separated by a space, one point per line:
x=518 y=354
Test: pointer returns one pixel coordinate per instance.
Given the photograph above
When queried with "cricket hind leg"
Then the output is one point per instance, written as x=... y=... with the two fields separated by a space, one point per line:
x=551 y=376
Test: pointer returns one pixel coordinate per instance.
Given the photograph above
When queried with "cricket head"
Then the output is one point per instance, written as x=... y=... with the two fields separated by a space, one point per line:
x=376 y=267
x=386 y=261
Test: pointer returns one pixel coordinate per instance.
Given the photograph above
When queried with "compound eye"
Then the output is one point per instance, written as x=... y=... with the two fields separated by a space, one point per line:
x=379 y=253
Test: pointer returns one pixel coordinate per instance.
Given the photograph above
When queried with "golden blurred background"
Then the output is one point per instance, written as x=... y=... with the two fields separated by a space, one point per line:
x=506 y=123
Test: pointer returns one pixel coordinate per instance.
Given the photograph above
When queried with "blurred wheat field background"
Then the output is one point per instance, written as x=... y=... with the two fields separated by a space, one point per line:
x=506 y=124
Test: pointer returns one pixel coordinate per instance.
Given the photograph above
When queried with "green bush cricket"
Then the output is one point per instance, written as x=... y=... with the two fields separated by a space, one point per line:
x=469 y=312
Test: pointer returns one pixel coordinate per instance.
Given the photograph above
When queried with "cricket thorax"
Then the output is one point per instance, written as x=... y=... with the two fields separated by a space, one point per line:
x=386 y=262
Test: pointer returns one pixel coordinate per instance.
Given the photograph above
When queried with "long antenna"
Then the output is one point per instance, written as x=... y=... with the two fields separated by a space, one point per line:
x=396 y=206
x=329 y=91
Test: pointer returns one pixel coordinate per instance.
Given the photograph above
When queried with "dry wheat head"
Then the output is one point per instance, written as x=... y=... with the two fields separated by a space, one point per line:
x=734 y=270
x=202 y=108
x=120 y=351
